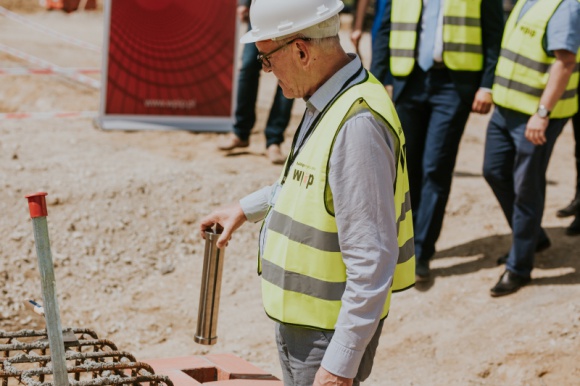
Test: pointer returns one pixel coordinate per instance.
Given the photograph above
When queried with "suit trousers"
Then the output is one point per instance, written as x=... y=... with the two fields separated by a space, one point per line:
x=515 y=169
x=301 y=351
x=576 y=127
x=433 y=116
x=247 y=95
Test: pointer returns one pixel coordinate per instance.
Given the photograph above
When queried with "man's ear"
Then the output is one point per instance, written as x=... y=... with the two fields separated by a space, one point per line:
x=303 y=51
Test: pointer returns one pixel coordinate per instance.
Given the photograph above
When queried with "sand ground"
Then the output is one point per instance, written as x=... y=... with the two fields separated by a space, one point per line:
x=123 y=214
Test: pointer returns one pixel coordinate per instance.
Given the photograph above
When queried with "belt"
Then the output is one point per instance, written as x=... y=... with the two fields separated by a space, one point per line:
x=438 y=66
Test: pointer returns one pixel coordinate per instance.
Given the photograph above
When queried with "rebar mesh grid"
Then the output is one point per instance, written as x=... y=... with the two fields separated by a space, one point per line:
x=25 y=359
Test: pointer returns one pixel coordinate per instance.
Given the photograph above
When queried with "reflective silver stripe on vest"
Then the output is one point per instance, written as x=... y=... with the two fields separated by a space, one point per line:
x=518 y=86
x=537 y=92
x=296 y=282
x=303 y=234
x=526 y=62
x=406 y=251
x=462 y=47
x=405 y=207
x=465 y=21
x=403 y=26
x=402 y=53
x=529 y=63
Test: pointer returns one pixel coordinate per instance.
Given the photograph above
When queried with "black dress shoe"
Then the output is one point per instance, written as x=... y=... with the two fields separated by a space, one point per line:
x=422 y=271
x=541 y=246
x=574 y=228
x=571 y=209
x=509 y=283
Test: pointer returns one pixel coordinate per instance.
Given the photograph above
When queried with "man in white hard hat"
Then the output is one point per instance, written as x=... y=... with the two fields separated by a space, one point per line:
x=337 y=233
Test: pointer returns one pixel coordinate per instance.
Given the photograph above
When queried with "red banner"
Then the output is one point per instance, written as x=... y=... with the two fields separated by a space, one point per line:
x=170 y=61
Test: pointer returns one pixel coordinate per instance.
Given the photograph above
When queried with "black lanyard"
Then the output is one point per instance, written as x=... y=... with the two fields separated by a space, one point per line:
x=295 y=151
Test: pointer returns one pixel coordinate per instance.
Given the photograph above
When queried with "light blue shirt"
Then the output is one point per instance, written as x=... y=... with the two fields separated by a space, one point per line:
x=361 y=176
x=563 y=31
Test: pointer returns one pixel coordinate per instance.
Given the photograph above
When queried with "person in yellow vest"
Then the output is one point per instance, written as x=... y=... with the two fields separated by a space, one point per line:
x=442 y=54
x=535 y=91
x=337 y=232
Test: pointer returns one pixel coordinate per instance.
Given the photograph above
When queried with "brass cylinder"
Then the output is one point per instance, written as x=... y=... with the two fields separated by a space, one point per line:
x=209 y=296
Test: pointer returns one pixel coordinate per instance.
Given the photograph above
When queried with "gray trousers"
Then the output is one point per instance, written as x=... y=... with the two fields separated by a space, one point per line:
x=301 y=351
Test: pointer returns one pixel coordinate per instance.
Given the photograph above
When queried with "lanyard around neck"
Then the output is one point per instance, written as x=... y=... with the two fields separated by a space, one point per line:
x=295 y=151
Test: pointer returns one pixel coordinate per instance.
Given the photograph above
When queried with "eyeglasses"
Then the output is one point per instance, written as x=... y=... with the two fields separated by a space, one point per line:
x=264 y=59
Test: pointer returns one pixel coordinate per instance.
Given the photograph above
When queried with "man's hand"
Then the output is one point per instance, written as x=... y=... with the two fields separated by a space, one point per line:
x=355 y=39
x=324 y=378
x=481 y=102
x=536 y=129
x=243 y=13
x=229 y=218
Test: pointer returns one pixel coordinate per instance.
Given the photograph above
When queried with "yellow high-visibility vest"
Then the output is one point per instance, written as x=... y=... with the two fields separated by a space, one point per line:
x=462 y=42
x=522 y=70
x=303 y=274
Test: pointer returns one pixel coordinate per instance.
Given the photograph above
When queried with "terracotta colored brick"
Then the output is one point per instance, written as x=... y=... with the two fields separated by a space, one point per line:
x=215 y=369
x=235 y=367
x=191 y=362
x=179 y=378
x=245 y=382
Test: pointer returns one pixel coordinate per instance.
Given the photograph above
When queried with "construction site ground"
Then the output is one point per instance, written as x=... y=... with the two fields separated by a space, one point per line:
x=124 y=208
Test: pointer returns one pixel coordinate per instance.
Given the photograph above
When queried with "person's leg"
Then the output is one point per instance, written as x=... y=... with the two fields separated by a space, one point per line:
x=279 y=117
x=413 y=98
x=368 y=359
x=573 y=208
x=247 y=93
x=530 y=165
x=448 y=116
x=498 y=161
x=576 y=127
x=301 y=351
x=498 y=166
x=574 y=228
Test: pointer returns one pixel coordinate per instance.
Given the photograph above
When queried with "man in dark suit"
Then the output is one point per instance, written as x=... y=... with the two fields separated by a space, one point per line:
x=442 y=54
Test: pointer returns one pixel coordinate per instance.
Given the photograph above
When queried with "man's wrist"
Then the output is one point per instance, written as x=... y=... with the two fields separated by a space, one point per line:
x=543 y=112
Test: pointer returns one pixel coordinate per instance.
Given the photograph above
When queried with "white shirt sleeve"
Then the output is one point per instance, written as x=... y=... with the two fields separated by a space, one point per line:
x=361 y=177
x=255 y=205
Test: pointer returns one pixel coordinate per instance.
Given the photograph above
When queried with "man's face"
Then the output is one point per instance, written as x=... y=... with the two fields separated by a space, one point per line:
x=284 y=63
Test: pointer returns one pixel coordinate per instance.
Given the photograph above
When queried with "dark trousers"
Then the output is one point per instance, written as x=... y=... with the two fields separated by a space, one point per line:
x=576 y=127
x=247 y=95
x=433 y=117
x=515 y=169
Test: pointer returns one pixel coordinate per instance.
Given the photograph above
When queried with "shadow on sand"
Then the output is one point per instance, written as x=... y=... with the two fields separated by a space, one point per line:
x=564 y=253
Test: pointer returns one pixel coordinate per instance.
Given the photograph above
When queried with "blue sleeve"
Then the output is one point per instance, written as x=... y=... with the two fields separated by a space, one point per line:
x=492 y=24
x=563 y=32
x=380 y=47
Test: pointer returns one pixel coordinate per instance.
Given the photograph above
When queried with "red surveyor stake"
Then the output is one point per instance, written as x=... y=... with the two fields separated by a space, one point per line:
x=38 y=213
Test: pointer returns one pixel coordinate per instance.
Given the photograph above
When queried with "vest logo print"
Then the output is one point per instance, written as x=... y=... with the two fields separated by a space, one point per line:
x=303 y=178
x=528 y=30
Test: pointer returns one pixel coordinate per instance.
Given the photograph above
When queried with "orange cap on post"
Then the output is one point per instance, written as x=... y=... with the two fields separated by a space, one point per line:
x=37 y=204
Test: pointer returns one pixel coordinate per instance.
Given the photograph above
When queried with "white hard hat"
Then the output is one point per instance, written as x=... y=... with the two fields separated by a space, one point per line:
x=276 y=18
